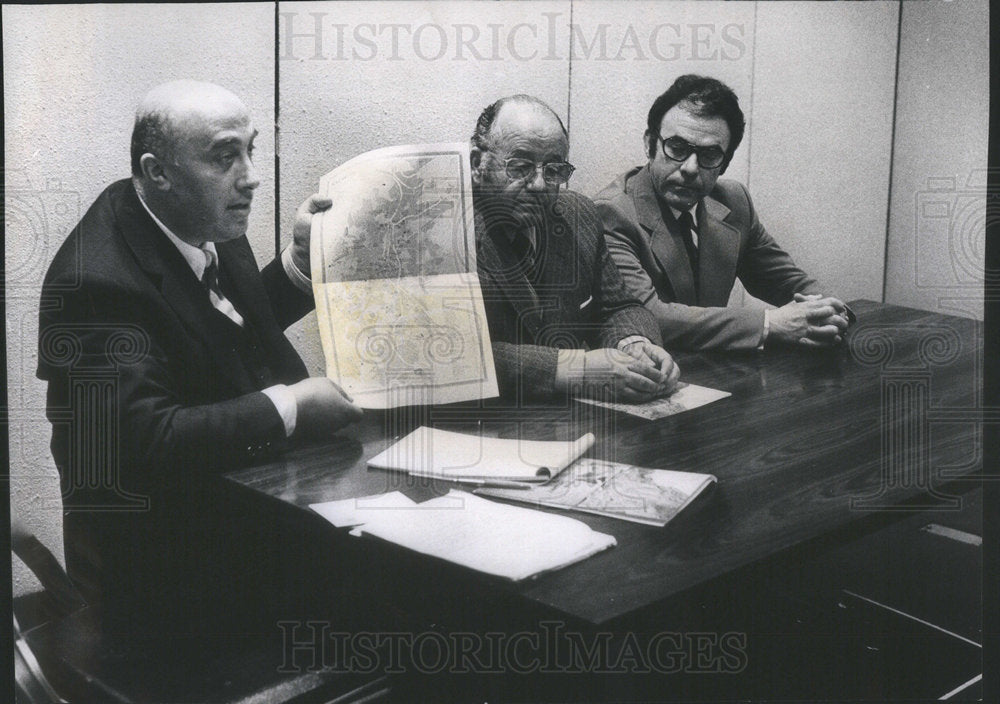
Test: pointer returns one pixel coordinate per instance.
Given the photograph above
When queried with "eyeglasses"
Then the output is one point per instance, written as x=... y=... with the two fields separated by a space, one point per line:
x=554 y=173
x=676 y=149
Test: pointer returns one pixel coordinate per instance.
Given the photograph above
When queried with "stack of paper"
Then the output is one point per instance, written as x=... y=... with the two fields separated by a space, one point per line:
x=506 y=541
x=429 y=452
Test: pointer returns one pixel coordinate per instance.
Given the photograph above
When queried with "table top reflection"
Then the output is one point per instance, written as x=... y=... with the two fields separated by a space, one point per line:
x=808 y=442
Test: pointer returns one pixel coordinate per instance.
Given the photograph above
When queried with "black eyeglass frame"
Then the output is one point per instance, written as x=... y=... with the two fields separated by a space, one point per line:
x=689 y=149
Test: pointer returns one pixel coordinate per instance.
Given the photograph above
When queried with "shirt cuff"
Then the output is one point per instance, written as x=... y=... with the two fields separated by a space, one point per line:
x=765 y=331
x=626 y=341
x=301 y=281
x=284 y=402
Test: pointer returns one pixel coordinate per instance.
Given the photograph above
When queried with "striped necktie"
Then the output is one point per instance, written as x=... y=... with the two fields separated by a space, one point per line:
x=210 y=278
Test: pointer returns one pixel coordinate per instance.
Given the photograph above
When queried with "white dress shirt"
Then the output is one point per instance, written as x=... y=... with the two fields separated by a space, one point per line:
x=197 y=258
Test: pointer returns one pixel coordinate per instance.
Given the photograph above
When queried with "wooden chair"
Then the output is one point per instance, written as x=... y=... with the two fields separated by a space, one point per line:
x=60 y=657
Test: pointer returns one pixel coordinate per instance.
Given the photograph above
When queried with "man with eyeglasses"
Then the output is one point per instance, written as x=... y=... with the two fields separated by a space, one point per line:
x=560 y=320
x=680 y=236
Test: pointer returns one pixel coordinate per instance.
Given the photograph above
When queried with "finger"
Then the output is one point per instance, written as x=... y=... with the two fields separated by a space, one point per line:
x=638 y=360
x=660 y=362
x=838 y=304
x=835 y=303
x=318 y=203
x=635 y=349
x=647 y=369
x=806 y=342
x=342 y=392
x=671 y=386
x=819 y=313
x=674 y=376
x=641 y=383
x=822 y=332
x=666 y=367
x=840 y=321
x=835 y=320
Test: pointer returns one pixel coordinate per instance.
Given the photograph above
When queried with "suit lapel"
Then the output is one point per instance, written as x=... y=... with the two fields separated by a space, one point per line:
x=498 y=262
x=718 y=244
x=181 y=290
x=560 y=263
x=667 y=245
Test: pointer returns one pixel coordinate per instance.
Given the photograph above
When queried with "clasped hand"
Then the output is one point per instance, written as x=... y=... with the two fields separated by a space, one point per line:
x=811 y=320
x=640 y=372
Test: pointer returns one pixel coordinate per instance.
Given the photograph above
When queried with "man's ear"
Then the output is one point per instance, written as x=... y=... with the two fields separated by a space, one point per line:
x=476 y=161
x=153 y=172
x=646 y=136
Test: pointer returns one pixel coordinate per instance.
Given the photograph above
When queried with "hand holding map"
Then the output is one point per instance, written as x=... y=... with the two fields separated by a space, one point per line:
x=398 y=300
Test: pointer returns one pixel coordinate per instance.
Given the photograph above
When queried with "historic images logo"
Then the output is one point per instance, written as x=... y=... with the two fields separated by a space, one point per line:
x=317 y=36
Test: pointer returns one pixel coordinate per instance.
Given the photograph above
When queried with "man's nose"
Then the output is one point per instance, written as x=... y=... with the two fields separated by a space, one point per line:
x=536 y=182
x=689 y=167
x=249 y=179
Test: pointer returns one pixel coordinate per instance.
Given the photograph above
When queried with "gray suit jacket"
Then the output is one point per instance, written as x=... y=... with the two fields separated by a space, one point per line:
x=574 y=297
x=731 y=242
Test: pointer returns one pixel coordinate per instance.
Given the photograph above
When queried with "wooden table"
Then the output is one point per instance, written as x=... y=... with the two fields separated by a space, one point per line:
x=808 y=443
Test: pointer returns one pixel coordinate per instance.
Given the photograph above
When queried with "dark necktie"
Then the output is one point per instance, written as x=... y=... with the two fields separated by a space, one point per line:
x=686 y=223
x=524 y=251
x=210 y=278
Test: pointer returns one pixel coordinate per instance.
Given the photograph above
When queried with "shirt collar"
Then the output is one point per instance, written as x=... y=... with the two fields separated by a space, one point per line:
x=196 y=257
x=692 y=210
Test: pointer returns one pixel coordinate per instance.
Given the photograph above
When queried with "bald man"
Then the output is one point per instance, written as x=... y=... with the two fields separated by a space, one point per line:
x=156 y=298
x=560 y=320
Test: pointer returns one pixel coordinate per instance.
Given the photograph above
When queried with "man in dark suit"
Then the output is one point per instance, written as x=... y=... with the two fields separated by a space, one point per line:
x=166 y=364
x=680 y=237
x=559 y=318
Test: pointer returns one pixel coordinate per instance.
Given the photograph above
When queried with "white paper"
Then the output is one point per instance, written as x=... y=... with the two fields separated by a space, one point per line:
x=684 y=398
x=502 y=540
x=441 y=453
x=353 y=512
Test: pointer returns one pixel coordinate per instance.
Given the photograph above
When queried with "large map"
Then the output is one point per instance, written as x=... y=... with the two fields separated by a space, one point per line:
x=400 y=310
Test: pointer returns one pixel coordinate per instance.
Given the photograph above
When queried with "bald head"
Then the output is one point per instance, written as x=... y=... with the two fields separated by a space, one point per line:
x=167 y=109
x=192 y=160
x=521 y=105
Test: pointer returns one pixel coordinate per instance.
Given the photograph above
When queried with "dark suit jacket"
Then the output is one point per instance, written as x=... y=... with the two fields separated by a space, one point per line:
x=149 y=403
x=573 y=299
x=732 y=243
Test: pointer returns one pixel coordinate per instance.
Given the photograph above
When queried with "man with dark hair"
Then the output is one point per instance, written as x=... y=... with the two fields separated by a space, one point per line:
x=681 y=237
x=559 y=318
x=166 y=364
